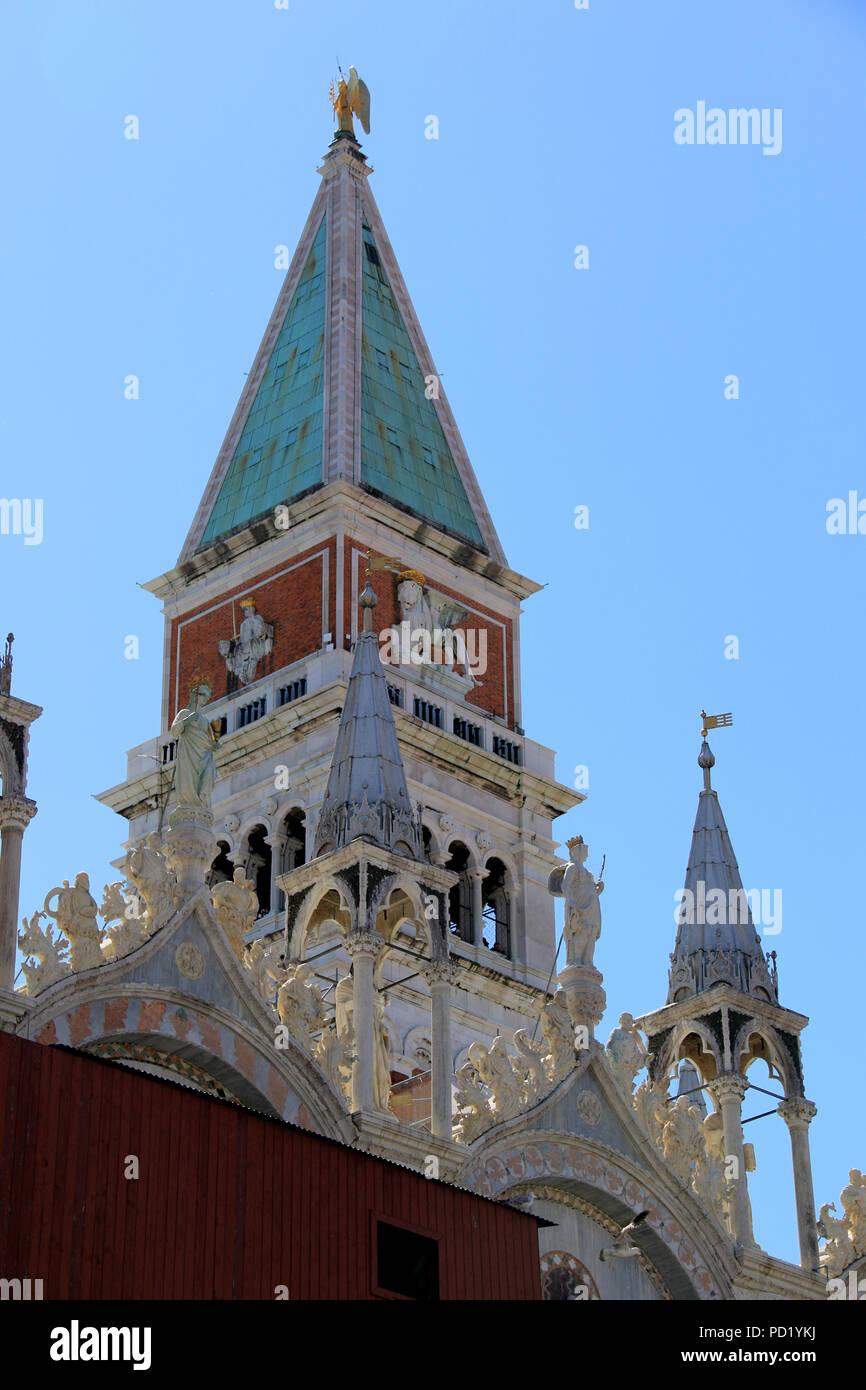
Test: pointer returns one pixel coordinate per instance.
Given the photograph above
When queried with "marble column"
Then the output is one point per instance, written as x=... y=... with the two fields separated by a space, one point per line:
x=363 y=947
x=513 y=895
x=439 y=976
x=797 y=1112
x=728 y=1091
x=16 y=814
x=477 y=876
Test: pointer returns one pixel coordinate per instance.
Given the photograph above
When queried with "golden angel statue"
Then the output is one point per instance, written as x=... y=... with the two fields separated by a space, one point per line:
x=350 y=99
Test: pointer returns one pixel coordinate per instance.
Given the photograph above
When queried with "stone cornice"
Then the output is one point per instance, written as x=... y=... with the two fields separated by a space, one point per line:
x=351 y=506
x=305 y=714
x=18 y=711
x=698 y=1005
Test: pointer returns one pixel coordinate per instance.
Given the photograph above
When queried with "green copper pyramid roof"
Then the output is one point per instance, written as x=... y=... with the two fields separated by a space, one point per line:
x=279 y=453
x=404 y=452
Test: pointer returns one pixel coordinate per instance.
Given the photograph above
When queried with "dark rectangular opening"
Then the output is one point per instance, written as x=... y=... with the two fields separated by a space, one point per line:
x=407 y=1264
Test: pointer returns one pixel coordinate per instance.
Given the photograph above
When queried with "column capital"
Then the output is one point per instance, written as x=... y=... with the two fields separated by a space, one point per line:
x=730 y=1085
x=797 y=1112
x=439 y=972
x=475 y=872
x=16 y=812
x=364 y=943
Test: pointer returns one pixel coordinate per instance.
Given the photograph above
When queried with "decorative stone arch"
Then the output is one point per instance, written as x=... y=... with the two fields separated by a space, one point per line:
x=506 y=859
x=604 y=1178
x=329 y=884
x=743 y=1054
x=437 y=836
x=283 y=1083
x=673 y=1053
x=403 y=882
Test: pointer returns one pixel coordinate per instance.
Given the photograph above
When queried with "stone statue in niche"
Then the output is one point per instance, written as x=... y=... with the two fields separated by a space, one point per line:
x=195 y=764
x=75 y=916
x=427 y=633
x=254 y=641
x=581 y=891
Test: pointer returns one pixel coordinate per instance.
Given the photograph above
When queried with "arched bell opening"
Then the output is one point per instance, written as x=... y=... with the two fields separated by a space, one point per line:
x=496 y=908
x=222 y=868
x=256 y=861
x=460 y=896
x=291 y=848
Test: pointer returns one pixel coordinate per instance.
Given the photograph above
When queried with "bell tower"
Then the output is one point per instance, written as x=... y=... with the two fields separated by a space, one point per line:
x=343 y=459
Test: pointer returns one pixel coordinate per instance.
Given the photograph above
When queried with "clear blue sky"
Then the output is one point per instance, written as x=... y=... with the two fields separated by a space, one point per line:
x=602 y=387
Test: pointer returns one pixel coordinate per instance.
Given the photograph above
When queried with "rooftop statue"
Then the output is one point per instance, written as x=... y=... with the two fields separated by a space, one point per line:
x=581 y=891
x=196 y=741
x=350 y=99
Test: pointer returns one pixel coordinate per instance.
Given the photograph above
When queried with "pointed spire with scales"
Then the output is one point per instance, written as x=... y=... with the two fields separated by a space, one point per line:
x=367 y=797
x=716 y=937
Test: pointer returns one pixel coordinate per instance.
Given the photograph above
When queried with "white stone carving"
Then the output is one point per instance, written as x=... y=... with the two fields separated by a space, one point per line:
x=588 y=1107
x=194 y=766
x=131 y=930
x=581 y=891
x=147 y=870
x=682 y=1138
x=45 y=955
x=75 y=916
x=266 y=967
x=529 y=1067
x=473 y=1105
x=495 y=1069
x=844 y=1239
x=626 y=1053
x=189 y=960
x=236 y=907
x=651 y=1109
x=558 y=1034
x=300 y=1005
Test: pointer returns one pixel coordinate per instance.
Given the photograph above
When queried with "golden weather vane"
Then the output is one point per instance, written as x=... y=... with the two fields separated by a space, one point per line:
x=351 y=98
x=715 y=721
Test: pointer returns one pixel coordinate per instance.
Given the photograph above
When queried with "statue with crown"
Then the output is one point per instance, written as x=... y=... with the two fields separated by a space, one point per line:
x=195 y=764
x=581 y=891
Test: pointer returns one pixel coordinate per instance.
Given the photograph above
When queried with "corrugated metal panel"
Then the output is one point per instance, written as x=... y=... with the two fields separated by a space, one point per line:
x=228 y=1204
